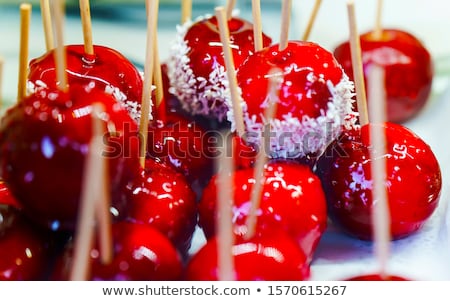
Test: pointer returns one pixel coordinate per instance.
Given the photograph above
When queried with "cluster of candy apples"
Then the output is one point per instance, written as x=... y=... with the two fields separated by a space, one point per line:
x=318 y=160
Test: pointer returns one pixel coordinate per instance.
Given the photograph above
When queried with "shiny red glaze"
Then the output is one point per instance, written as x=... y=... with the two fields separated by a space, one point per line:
x=5 y=196
x=293 y=201
x=206 y=52
x=413 y=181
x=162 y=198
x=184 y=145
x=44 y=141
x=141 y=253
x=408 y=67
x=269 y=258
x=298 y=95
x=377 y=277
x=23 y=248
x=106 y=67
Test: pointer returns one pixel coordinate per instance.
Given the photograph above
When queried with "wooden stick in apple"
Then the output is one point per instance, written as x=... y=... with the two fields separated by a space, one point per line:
x=57 y=8
x=229 y=8
x=85 y=13
x=47 y=24
x=25 y=19
x=94 y=177
x=286 y=9
x=224 y=225
x=231 y=71
x=357 y=65
x=158 y=80
x=186 y=11
x=152 y=13
x=380 y=209
x=276 y=77
x=378 y=31
x=311 y=20
x=257 y=25
x=103 y=202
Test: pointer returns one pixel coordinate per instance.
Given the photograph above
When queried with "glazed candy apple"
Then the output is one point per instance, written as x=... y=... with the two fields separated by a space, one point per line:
x=141 y=253
x=270 y=258
x=315 y=99
x=44 y=141
x=197 y=69
x=162 y=198
x=23 y=249
x=292 y=200
x=413 y=181
x=109 y=69
x=408 y=68
x=184 y=145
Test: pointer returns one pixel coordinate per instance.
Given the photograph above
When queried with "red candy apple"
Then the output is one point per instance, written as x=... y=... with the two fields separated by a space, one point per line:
x=141 y=253
x=269 y=258
x=23 y=249
x=43 y=144
x=185 y=146
x=314 y=99
x=109 y=69
x=413 y=181
x=197 y=68
x=292 y=200
x=162 y=198
x=408 y=68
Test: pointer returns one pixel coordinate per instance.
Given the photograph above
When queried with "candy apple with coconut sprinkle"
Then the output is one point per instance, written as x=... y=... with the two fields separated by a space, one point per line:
x=315 y=99
x=110 y=70
x=44 y=141
x=196 y=67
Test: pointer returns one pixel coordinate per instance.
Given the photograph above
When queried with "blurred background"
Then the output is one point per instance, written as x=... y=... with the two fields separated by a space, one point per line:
x=120 y=24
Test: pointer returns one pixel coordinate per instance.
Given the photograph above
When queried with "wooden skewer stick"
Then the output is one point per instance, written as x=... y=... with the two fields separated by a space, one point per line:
x=25 y=19
x=380 y=208
x=186 y=11
x=229 y=8
x=225 y=232
x=146 y=109
x=286 y=9
x=93 y=178
x=357 y=65
x=257 y=25
x=231 y=71
x=378 y=31
x=159 y=93
x=61 y=62
x=86 y=21
x=264 y=152
x=103 y=203
x=311 y=20
x=47 y=24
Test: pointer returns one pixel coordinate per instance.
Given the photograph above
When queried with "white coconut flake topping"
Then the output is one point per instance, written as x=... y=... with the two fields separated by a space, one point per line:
x=132 y=106
x=295 y=138
x=198 y=95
